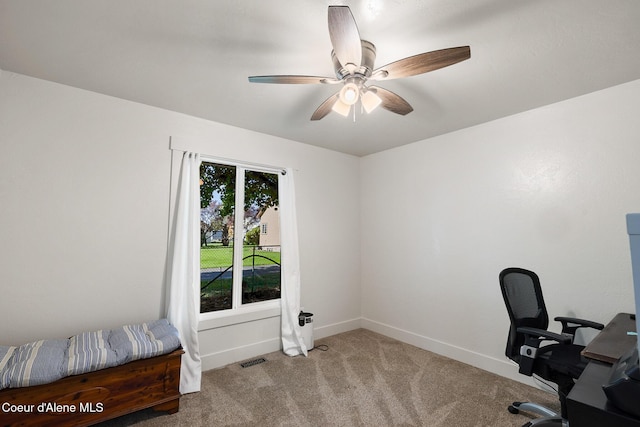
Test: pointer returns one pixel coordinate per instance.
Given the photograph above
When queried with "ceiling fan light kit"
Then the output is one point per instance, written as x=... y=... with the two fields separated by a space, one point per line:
x=353 y=60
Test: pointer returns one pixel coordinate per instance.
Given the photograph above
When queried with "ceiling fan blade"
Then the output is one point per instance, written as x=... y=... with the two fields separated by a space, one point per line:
x=422 y=63
x=345 y=37
x=325 y=107
x=293 y=79
x=391 y=101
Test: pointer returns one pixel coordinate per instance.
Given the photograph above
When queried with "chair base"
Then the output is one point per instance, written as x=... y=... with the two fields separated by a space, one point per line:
x=549 y=417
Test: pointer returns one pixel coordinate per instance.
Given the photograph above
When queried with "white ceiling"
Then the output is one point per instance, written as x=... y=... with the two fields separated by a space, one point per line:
x=194 y=57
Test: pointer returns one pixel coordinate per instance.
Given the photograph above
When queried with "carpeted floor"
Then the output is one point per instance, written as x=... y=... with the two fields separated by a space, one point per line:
x=361 y=379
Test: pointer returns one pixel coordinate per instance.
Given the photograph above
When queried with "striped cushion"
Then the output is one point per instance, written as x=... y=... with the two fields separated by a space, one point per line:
x=45 y=361
x=5 y=355
x=133 y=342
x=89 y=352
x=38 y=362
x=163 y=332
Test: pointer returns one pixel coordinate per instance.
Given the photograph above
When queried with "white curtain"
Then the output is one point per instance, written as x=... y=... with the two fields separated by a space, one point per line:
x=183 y=292
x=292 y=342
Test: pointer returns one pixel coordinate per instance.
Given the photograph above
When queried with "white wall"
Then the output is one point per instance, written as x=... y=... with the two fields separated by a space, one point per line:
x=84 y=214
x=425 y=228
x=546 y=190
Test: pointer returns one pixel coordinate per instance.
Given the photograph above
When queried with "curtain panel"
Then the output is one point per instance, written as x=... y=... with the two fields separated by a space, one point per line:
x=292 y=342
x=183 y=291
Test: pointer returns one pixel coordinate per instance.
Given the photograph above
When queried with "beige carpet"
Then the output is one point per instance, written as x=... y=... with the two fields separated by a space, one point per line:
x=362 y=379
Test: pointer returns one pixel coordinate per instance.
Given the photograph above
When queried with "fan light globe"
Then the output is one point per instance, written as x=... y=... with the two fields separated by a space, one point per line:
x=349 y=94
x=341 y=108
x=370 y=101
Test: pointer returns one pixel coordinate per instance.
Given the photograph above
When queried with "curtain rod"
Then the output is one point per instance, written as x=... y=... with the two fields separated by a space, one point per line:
x=178 y=144
x=247 y=165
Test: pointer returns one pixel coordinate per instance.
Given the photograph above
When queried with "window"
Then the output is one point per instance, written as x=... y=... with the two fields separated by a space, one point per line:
x=238 y=266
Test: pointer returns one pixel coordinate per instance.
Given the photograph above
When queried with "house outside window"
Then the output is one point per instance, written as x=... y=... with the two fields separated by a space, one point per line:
x=270 y=236
x=238 y=268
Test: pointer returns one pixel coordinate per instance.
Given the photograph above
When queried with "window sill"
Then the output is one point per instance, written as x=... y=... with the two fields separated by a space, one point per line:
x=250 y=313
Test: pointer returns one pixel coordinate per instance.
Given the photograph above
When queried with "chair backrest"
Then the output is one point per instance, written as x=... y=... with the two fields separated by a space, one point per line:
x=523 y=297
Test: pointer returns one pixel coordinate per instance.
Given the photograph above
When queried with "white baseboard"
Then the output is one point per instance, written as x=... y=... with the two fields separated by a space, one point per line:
x=337 y=328
x=234 y=355
x=499 y=367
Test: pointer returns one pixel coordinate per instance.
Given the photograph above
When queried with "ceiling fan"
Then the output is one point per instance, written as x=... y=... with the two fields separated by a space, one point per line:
x=353 y=60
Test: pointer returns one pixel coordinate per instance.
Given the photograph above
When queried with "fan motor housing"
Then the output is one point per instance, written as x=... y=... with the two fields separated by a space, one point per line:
x=366 y=64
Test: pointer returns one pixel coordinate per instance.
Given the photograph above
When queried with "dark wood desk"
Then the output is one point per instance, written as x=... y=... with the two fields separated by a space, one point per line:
x=587 y=405
x=612 y=342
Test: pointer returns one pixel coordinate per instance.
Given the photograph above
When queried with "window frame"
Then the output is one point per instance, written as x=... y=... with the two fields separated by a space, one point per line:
x=239 y=313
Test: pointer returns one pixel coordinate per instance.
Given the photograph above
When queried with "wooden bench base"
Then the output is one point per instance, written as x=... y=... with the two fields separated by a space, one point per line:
x=87 y=399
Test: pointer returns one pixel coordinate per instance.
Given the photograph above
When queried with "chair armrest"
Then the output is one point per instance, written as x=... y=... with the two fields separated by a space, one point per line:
x=577 y=324
x=535 y=334
x=533 y=337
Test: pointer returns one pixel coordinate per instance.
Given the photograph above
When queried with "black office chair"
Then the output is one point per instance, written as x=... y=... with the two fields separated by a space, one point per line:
x=560 y=363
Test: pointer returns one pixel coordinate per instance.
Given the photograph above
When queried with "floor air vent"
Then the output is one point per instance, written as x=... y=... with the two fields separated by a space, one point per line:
x=253 y=362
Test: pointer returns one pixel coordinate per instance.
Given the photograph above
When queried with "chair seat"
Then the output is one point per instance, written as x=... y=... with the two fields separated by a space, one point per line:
x=560 y=359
